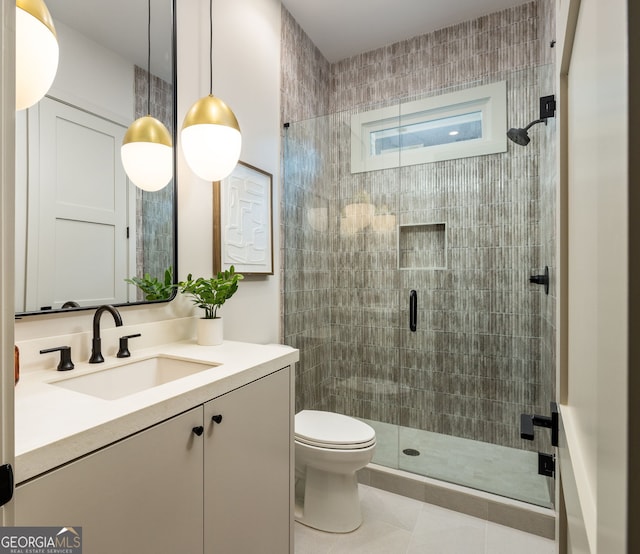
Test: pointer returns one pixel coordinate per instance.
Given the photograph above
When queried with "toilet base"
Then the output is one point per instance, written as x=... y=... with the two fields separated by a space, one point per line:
x=330 y=501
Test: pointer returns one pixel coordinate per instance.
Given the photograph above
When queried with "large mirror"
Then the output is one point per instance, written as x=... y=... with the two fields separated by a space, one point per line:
x=83 y=231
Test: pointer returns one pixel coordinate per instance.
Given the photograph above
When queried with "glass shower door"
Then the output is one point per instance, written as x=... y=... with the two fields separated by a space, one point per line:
x=465 y=235
x=470 y=232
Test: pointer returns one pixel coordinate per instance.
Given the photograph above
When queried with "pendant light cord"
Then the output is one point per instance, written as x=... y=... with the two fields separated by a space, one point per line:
x=149 y=60
x=211 y=47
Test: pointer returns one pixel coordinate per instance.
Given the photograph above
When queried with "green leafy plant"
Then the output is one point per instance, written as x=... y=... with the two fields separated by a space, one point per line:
x=210 y=294
x=152 y=287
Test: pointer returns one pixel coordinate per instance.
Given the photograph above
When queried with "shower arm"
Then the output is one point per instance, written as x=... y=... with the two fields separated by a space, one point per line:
x=542 y=120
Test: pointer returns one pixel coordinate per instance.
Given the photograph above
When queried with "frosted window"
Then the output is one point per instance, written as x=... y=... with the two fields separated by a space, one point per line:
x=469 y=122
x=444 y=130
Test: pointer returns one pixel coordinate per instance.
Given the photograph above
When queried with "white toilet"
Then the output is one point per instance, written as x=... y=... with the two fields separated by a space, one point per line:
x=330 y=448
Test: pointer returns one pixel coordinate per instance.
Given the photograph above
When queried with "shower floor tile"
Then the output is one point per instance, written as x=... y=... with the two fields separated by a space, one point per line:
x=488 y=467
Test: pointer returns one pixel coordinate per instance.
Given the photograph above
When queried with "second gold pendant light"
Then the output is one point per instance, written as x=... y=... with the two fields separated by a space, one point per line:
x=147 y=149
x=211 y=138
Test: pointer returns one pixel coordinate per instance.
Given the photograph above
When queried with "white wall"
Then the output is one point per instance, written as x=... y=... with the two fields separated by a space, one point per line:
x=247 y=77
x=93 y=77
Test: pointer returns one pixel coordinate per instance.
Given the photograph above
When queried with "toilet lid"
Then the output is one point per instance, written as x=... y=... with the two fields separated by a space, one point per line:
x=331 y=430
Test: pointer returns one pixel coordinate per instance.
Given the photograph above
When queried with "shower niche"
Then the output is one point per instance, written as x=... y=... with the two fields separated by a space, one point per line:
x=422 y=246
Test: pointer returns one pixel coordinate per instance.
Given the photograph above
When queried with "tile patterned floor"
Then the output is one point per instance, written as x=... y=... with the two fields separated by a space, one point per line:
x=395 y=524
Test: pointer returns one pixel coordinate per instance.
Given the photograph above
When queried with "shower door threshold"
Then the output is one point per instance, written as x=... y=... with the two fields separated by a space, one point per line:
x=482 y=505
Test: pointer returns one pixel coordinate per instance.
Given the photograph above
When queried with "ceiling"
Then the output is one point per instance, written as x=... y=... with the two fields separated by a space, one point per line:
x=339 y=28
x=344 y=28
x=121 y=26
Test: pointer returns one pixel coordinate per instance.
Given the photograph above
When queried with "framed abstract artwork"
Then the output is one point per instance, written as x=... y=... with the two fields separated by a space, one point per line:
x=243 y=221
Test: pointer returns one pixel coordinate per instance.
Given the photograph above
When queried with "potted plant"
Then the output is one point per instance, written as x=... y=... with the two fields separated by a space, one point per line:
x=152 y=287
x=211 y=294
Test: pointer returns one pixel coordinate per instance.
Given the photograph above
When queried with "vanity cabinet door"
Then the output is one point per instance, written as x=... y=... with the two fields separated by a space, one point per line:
x=142 y=494
x=247 y=480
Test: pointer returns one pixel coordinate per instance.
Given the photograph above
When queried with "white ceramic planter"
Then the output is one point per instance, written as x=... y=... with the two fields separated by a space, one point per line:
x=209 y=332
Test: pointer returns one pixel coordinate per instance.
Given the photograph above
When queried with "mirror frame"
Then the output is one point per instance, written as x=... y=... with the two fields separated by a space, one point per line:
x=174 y=74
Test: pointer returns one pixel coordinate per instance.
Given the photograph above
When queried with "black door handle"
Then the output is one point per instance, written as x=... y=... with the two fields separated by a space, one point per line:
x=413 y=310
x=216 y=418
x=6 y=483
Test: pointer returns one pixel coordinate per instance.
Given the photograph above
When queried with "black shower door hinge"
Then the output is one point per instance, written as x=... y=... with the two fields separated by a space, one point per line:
x=529 y=421
x=546 y=464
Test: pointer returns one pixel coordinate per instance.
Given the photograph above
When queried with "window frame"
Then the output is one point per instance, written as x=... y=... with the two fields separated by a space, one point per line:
x=489 y=99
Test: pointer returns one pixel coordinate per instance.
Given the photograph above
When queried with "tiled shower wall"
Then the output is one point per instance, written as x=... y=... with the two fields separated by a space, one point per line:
x=308 y=187
x=483 y=352
x=154 y=210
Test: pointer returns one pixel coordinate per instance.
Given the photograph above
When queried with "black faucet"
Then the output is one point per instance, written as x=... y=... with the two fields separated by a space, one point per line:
x=96 y=354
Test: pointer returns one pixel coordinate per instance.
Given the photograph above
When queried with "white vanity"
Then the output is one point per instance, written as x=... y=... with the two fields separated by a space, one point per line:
x=202 y=463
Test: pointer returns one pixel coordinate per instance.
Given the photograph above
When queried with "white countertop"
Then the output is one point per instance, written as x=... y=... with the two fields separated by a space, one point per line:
x=54 y=425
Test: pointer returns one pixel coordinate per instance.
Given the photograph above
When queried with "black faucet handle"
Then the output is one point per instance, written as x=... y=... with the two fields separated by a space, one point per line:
x=65 y=363
x=123 y=351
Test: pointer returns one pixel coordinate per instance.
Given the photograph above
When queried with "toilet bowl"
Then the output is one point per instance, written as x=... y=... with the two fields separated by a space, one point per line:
x=329 y=449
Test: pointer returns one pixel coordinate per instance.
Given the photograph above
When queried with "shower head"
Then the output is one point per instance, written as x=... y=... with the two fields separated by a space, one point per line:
x=520 y=136
x=547 y=109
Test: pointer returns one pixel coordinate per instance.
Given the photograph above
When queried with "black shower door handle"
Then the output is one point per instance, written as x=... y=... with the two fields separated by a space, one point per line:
x=413 y=310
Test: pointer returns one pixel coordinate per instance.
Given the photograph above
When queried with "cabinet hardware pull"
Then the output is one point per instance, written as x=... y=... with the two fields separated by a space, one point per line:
x=216 y=418
x=198 y=430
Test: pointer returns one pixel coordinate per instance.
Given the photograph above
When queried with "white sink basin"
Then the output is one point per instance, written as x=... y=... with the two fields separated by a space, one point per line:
x=134 y=376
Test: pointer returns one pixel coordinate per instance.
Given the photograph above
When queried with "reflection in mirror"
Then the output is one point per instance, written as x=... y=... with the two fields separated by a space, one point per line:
x=84 y=233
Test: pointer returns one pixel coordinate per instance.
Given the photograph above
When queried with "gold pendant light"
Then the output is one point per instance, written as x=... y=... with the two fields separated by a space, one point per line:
x=210 y=135
x=37 y=52
x=147 y=150
x=147 y=154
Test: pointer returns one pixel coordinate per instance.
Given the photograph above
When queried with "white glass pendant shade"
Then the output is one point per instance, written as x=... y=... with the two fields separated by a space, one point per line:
x=36 y=52
x=211 y=139
x=147 y=154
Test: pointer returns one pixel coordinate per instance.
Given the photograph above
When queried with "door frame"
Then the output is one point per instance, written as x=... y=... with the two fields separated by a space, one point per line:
x=611 y=501
x=633 y=483
x=566 y=21
x=7 y=248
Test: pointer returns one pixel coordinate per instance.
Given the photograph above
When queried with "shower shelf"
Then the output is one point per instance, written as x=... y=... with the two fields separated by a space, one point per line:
x=422 y=246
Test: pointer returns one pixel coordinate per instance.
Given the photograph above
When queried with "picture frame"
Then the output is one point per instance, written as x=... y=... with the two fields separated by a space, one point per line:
x=243 y=221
